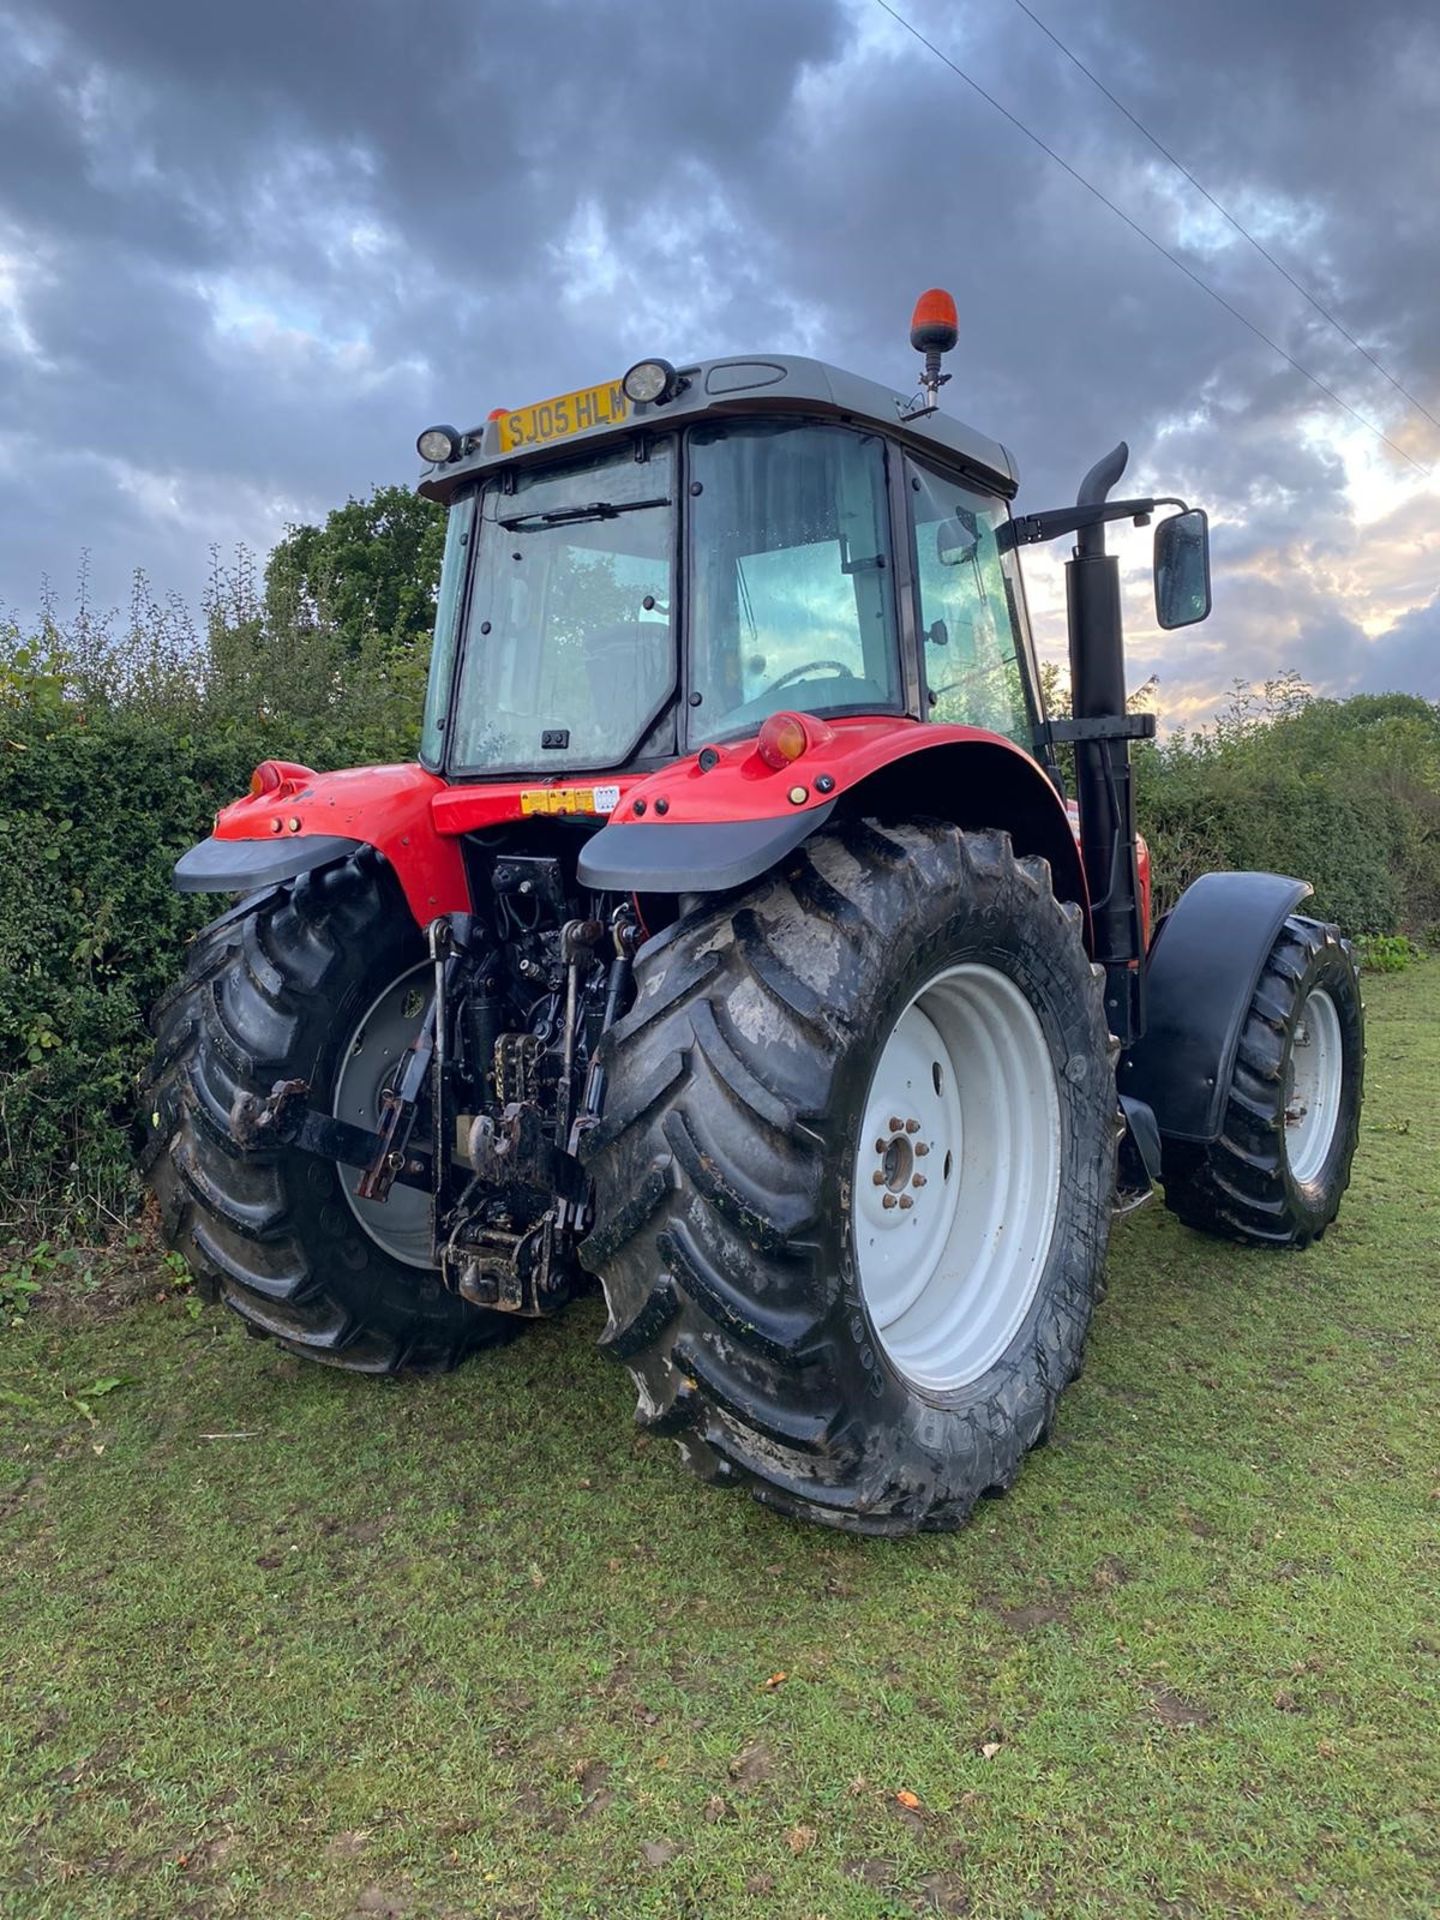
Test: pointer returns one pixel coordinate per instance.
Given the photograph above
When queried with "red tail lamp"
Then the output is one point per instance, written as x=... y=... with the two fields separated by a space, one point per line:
x=934 y=325
x=273 y=777
x=783 y=738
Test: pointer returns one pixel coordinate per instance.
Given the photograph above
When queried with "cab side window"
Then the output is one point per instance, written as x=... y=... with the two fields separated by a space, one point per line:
x=969 y=622
x=791 y=602
x=459 y=527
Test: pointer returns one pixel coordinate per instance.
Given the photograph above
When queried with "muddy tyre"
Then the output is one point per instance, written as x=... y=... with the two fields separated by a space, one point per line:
x=1291 y=1119
x=298 y=983
x=812 y=1321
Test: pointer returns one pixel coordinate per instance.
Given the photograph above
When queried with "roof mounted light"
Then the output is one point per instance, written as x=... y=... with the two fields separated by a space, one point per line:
x=651 y=383
x=934 y=323
x=438 y=444
x=934 y=329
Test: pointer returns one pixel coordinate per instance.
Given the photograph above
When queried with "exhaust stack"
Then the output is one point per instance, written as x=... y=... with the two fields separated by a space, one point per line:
x=1102 y=732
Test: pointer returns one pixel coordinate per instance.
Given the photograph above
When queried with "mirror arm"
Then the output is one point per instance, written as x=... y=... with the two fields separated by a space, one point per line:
x=1030 y=528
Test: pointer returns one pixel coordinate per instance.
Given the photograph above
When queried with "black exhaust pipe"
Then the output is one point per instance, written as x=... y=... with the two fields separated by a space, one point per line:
x=1101 y=732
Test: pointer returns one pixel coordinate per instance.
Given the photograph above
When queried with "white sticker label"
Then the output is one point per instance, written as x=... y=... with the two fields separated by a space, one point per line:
x=606 y=799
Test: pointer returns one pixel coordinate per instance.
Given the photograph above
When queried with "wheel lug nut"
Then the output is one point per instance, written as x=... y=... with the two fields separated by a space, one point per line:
x=918 y=1181
x=921 y=1149
x=878 y=1177
x=906 y=1202
x=889 y=1201
x=881 y=1145
x=896 y=1123
x=912 y=1126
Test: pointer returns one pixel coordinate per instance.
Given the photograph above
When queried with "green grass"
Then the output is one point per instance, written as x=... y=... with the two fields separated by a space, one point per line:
x=470 y=1647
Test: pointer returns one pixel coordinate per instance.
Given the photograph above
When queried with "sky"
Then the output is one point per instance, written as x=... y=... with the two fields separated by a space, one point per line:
x=247 y=252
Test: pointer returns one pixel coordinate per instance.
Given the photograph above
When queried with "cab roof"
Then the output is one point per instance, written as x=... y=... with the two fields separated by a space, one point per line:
x=752 y=384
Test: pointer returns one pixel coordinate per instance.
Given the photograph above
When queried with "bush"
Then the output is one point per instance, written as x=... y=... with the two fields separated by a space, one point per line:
x=1386 y=952
x=116 y=750
x=1345 y=794
x=117 y=747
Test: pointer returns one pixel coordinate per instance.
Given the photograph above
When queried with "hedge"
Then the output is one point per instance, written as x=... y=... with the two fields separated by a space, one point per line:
x=113 y=758
x=110 y=766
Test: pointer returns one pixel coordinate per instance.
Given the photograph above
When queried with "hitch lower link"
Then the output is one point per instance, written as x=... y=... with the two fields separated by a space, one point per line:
x=284 y=1119
x=512 y=1157
x=386 y=1155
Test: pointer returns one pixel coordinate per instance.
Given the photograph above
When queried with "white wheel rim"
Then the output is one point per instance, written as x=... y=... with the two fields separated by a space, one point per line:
x=962 y=1122
x=401 y=1224
x=1314 y=1081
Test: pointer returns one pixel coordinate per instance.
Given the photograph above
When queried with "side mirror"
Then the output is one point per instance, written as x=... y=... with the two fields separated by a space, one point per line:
x=1182 y=569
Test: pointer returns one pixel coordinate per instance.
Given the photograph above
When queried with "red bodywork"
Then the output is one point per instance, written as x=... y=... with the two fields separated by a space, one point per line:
x=416 y=819
x=390 y=807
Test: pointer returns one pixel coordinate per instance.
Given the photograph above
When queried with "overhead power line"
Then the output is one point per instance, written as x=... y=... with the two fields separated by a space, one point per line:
x=1225 y=213
x=1149 y=238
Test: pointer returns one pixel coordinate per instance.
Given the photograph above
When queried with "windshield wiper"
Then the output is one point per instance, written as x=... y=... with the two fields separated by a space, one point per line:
x=567 y=516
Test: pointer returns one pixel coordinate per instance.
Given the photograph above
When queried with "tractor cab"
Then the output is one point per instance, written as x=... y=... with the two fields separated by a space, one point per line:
x=691 y=559
x=640 y=570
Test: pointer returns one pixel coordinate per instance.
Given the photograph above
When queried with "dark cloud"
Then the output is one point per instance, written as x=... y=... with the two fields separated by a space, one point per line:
x=1406 y=658
x=245 y=252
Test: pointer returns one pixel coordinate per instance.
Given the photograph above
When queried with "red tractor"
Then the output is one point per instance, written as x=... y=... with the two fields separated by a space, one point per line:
x=732 y=943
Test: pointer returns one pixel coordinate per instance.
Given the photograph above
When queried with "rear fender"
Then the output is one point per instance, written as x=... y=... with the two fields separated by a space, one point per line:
x=698 y=827
x=1201 y=974
x=984 y=781
x=319 y=818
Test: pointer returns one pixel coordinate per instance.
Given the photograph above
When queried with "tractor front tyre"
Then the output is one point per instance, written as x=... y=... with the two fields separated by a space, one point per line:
x=321 y=980
x=1279 y=1169
x=854 y=1175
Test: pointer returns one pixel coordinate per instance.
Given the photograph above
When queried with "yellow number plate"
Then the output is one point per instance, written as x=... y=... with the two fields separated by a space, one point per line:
x=603 y=406
x=569 y=799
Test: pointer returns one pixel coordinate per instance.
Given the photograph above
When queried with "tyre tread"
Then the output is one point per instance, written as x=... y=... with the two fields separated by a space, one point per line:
x=708 y=1183
x=260 y=982
x=1237 y=1187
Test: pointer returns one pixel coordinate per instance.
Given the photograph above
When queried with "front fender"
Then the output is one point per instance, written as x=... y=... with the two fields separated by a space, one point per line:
x=1200 y=977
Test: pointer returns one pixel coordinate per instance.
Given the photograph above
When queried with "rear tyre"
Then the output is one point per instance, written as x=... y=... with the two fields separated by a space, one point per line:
x=1277 y=1173
x=810 y=1320
x=291 y=984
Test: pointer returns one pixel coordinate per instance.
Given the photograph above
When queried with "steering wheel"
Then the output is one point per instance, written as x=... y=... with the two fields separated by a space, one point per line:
x=973 y=679
x=810 y=666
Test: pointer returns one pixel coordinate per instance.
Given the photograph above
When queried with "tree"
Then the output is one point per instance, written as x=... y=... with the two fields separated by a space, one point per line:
x=370 y=571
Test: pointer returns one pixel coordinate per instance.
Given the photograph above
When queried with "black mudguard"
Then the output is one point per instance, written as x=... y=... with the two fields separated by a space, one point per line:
x=1200 y=977
x=700 y=857
x=243 y=866
x=1144 y=1134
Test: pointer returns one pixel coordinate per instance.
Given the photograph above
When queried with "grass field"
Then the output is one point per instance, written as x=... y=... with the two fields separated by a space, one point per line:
x=279 y=1642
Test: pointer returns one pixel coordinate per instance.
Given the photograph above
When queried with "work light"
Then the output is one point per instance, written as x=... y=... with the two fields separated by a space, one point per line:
x=651 y=382
x=438 y=444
